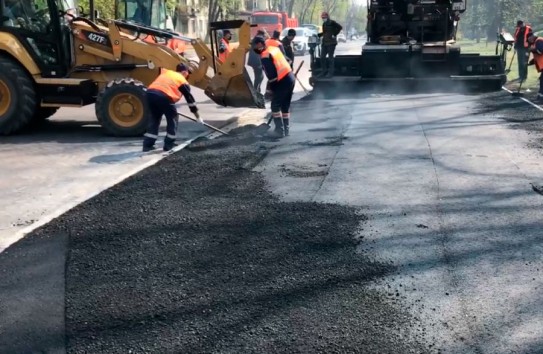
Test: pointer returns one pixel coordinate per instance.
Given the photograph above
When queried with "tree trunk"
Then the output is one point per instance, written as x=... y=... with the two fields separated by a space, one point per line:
x=313 y=11
x=290 y=8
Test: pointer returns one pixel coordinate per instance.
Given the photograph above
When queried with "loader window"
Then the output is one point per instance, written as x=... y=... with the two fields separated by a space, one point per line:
x=28 y=15
x=138 y=11
x=158 y=14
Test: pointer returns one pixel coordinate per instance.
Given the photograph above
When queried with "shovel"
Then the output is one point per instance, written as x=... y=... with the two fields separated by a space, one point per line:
x=518 y=93
x=507 y=71
x=207 y=125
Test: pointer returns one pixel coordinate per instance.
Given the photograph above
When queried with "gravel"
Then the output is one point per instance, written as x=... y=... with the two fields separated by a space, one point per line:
x=194 y=255
x=504 y=106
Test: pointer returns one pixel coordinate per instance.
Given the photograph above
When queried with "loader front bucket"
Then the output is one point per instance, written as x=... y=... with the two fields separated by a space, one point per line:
x=234 y=91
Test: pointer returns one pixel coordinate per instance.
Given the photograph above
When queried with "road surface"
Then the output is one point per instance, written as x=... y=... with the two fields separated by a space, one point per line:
x=70 y=159
x=385 y=223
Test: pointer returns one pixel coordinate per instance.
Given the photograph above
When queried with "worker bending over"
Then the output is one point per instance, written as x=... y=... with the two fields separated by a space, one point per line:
x=281 y=83
x=162 y=96
x=536 y=48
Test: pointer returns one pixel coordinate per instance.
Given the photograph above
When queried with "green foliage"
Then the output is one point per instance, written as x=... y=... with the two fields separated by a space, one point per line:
x=105 y=7
x=483 y=18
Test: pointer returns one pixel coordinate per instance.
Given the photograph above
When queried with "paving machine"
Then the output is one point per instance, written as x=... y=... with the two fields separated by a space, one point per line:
x=50 y=57
x=412 y=42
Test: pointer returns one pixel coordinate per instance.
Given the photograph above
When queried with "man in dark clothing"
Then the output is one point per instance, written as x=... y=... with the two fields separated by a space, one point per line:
x=162 y=95
x=281 y=83
x=287 y=45
x=330 y=29
x=522 y=47
x=254 y=62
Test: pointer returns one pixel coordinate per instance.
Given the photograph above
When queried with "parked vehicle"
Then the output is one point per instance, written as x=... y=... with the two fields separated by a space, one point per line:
x=341 y=38
x=300 y=42
x=315 y=28
x=271 y=21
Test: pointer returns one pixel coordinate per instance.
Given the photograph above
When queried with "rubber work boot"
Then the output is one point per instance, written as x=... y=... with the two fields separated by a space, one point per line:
x=278 y=132
x=169 y=146
x=148 y=148
x=286 y=126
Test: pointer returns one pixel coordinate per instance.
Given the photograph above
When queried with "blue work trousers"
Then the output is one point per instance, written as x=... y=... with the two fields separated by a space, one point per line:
x=160 y=105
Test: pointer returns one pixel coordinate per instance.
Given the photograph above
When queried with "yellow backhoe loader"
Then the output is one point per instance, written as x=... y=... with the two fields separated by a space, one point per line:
x=51 y=58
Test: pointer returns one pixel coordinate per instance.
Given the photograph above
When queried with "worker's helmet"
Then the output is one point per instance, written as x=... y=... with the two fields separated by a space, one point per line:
x=291 y=32
x=259 y=39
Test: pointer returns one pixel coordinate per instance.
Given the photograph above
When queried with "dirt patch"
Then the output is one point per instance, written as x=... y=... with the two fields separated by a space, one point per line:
x=328 y=141
x=194 y=255
x=304 y=171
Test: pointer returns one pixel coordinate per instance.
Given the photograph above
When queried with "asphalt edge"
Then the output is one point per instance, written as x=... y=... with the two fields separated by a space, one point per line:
x=22 y=233
x=524 y=99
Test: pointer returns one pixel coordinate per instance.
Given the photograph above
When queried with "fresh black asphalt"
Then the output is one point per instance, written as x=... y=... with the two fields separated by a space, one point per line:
x=194 y=255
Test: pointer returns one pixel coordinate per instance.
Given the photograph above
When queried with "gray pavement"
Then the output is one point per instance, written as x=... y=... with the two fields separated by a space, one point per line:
x=449 y=199
x=69 y=159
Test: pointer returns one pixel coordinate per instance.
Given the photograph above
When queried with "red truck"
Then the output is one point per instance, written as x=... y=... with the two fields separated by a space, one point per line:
x=271 y=21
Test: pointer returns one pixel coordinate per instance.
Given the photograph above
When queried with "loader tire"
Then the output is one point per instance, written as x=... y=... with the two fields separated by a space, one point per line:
x=122 y=108
x=17 y=97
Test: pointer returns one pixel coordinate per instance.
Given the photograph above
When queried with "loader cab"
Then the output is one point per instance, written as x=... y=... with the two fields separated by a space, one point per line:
x=151 y=13
x=38 y=25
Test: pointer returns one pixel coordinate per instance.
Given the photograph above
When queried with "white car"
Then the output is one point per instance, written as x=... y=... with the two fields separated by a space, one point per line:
x=341 y=38
x=300 y=42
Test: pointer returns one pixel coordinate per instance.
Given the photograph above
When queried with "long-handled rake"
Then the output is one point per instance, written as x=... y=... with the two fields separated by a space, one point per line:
x=205 y=124
x=508 y=70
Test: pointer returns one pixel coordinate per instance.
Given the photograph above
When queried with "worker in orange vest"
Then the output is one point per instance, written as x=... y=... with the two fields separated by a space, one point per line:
x=536 y=48
x=162 y=96
x=224 y=45
x=275 y=42
x=177 y=45
x=281 y=83
x=522 y=32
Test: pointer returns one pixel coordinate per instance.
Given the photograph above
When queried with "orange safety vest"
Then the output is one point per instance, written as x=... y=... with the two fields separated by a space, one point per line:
x=272 y=42
x=281 y=64
x=168 y=82
x=224 y=55
x=538 y=58
x=177 y=45
x=528 y=29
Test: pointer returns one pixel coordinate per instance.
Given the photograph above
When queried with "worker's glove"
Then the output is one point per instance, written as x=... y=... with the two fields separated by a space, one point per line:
x=200 y=120
x=531 y=62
